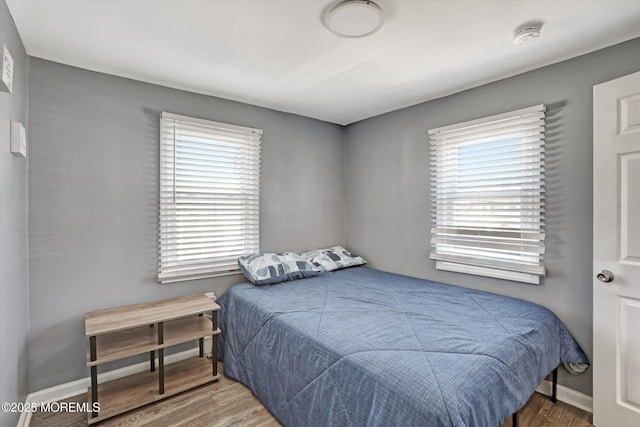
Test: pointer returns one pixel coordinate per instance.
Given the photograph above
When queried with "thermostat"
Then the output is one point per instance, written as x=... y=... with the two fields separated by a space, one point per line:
x=18 y=139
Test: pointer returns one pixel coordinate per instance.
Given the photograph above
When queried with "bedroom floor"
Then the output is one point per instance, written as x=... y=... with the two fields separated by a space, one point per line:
x=229 y=403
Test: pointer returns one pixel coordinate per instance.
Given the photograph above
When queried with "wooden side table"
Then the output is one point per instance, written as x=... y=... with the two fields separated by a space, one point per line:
x=121 y=332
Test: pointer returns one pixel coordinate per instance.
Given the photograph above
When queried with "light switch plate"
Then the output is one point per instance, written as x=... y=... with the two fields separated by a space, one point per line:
x=6 y=82
x=18 y=139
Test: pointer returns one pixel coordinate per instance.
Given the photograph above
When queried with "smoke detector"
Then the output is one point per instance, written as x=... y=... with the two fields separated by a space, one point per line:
x=354 y=18
x=527 y=32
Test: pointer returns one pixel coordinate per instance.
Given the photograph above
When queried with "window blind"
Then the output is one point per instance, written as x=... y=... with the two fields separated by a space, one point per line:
x=209 y=197
x=487 y=184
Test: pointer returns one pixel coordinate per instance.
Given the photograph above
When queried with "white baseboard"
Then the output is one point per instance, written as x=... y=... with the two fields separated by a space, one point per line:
x=25 y=417
x=63 y=391
x=568 y=395
x=77 y=387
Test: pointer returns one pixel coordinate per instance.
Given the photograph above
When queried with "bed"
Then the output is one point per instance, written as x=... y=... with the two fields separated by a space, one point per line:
x=359 y=346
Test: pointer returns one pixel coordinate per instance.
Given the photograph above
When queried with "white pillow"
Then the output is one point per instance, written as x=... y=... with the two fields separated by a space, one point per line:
x=333 y=258
x=272 y=268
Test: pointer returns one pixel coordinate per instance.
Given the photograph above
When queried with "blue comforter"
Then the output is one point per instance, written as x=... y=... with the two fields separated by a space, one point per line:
x=361 y=347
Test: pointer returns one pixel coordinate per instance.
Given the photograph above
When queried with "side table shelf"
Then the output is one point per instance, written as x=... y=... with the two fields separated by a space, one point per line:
x=122 y=332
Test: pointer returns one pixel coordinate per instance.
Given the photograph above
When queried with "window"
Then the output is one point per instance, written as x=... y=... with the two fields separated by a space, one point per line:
x=487 y=183
x=209 y=197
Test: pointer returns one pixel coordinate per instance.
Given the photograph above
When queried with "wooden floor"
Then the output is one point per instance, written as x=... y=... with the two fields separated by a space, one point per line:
x=229 y=403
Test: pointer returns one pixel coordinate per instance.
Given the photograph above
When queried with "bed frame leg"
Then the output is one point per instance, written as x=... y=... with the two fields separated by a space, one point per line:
x=554 y=386
x=514 y=419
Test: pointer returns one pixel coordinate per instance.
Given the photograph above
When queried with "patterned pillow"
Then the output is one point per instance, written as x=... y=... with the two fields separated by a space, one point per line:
x=333 y=258
x=271 y=268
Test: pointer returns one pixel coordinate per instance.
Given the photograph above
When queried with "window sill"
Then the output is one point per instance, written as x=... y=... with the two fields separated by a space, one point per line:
x=177 y=278
x=488 y=272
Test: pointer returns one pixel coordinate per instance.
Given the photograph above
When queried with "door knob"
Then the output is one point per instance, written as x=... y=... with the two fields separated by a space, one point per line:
x=605 y=276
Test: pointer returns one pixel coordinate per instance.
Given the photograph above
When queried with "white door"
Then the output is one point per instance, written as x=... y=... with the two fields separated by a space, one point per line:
x=616 y=249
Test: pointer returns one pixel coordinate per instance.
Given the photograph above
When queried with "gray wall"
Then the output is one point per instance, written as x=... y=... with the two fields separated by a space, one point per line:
x=94 y=199
x=387 y=178
x=14 y=259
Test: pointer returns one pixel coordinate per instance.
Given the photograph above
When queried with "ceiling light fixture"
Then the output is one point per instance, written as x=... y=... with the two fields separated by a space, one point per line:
x=354 y=18
x=527 y=32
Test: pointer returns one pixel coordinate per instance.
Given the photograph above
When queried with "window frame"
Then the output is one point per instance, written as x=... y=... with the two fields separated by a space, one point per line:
x=225 y=175
x=463 y=239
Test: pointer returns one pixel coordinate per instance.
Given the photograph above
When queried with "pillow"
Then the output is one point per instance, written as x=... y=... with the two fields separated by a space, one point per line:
x=271 y=268
x=333 y=258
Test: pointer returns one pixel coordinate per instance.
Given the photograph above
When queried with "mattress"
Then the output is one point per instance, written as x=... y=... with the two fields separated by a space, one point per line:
x=362 y=347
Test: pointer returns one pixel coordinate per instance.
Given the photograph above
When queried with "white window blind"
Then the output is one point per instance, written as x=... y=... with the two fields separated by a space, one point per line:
x=487 y=184
x=209 y=197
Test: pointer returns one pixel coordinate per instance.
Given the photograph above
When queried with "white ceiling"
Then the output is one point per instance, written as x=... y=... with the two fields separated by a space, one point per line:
x=277 y=53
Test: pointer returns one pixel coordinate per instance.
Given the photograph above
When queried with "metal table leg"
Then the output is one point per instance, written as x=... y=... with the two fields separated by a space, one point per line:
x=94 y=375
